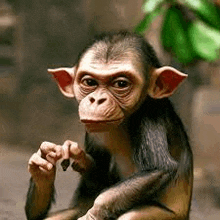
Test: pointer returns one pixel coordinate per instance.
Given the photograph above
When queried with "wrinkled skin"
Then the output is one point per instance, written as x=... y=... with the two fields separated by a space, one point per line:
x=107 y=92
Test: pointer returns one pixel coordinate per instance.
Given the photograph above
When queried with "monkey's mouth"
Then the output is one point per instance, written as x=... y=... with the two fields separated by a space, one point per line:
x=100 y=125
x=88 y=121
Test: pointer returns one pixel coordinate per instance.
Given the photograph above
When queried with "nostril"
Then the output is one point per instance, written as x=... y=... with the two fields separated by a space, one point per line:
x=91 y=99
x=100 y=101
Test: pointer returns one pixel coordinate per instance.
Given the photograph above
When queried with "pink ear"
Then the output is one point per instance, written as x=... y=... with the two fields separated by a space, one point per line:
x=164 y=82
x=64 y=78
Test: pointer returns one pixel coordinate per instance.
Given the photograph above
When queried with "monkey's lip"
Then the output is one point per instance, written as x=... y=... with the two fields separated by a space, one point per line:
x=89 y=121
x=93 y=126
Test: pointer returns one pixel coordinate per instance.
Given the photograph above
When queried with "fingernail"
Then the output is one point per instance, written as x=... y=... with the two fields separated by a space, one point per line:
x=49 y=166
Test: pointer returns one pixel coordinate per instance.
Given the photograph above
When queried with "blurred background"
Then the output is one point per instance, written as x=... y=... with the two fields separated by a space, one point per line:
x=36 y=35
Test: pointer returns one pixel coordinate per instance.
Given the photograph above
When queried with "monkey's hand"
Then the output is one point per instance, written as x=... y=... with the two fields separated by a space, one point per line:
x=41 y=165
x=98 y=214
x=82 y=162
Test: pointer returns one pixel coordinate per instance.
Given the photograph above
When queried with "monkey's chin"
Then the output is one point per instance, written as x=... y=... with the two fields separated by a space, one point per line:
x=101 y=126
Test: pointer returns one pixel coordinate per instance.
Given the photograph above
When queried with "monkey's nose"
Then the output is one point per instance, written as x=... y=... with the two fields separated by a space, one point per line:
x=97 y=101
x=100 y=101
x=91 y=99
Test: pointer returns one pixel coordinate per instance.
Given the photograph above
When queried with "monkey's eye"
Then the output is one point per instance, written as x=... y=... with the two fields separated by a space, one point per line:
x=121 y=83
x=89 y=82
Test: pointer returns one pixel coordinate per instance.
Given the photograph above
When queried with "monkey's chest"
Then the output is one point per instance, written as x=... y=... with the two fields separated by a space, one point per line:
x=118 y=145
x=124 y=165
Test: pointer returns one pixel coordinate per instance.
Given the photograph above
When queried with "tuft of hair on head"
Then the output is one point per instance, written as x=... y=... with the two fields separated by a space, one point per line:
x=110 y=46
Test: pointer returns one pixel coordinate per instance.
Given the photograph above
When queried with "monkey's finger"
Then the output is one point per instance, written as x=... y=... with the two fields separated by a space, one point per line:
x=51 y=157
x=36 y=161
x=52 y=154
x=65 y=149
x=88 y=216
x=58 y=150
x=75 y=151
x=70 y=149
x=50 y=148
x=57 y=154
x=45 y=148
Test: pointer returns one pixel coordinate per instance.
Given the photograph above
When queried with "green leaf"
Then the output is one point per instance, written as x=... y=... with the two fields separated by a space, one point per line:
x=151 y=5
x=143 y=25
x=166 y=36
x=205 y=40
x=174 y=35
x=148 y=19
x=205 y=10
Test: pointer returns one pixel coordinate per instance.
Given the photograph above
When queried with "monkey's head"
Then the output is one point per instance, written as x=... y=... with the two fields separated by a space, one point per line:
x=112 y=78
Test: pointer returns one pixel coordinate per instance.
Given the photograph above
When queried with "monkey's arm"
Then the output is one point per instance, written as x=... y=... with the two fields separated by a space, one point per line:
x=39 y=199
x=42 y=167
x=128 y=194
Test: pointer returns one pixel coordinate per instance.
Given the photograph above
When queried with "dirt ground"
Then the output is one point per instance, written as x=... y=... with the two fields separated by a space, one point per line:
x=15 y=177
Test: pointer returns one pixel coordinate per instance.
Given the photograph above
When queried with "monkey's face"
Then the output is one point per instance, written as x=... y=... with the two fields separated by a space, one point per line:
x=110 y=87
x=107 y=92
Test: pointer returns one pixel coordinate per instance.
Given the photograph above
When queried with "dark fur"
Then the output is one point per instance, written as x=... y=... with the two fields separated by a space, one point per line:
x=158 y=139
x=110 y=46
x=30 y=204
x=154 y=129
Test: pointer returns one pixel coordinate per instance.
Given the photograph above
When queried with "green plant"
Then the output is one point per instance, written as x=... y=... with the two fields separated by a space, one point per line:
x=190 y=29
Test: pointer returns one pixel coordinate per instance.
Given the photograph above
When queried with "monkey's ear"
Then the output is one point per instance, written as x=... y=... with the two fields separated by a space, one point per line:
x=164 y=81
x=64 y=78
